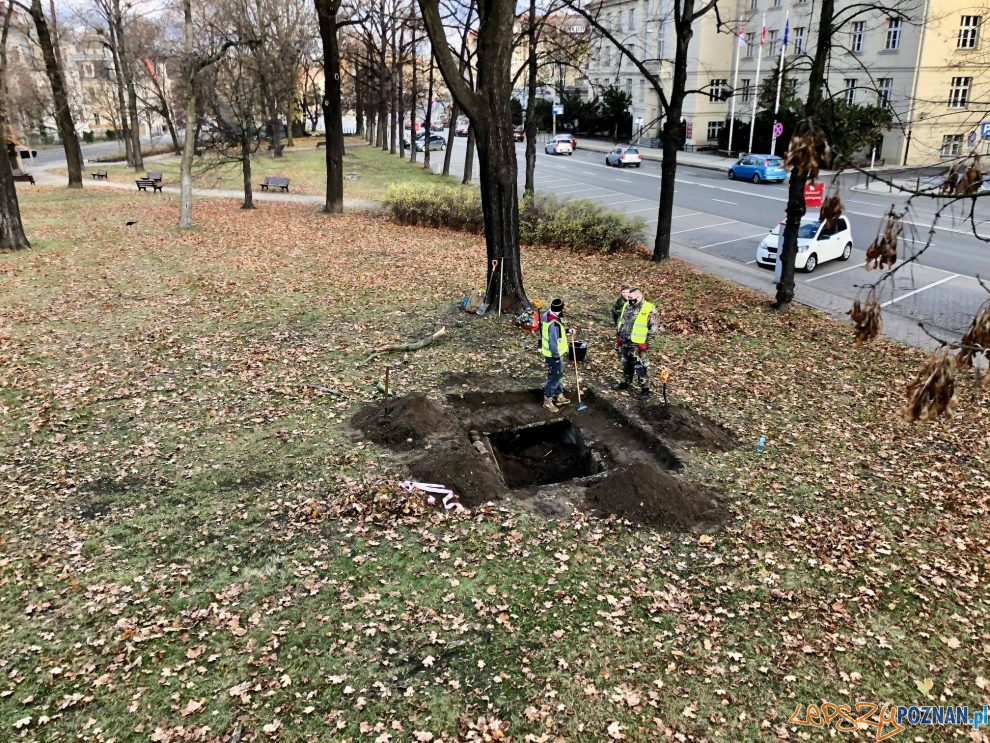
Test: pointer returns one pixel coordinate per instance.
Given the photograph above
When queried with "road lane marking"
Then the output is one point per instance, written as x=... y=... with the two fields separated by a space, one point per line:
x=841 y=270
x=621 y=180
x=916 y=291
x=568 y=191
x=651 y=208
x=704 y=227
x=726 y=242
x=625 y=201
x=686 y=214
x=721 y=201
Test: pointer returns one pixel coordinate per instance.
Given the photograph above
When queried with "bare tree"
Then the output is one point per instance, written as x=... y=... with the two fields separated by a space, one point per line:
x=12 y=235
x=327 y=12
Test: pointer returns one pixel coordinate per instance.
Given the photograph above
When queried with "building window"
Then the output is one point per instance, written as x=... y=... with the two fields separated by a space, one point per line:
x=629 y=87
x=801 y=2
x=850 y=92
x=754 y=4
x=799 y=40
x=632 y=19
x=952 y=145
x=772 y=35
x=858 y=32
x=776 y=3
x=893 y=34
x=642 y=91
x=969 y=30
x=714 y=129
x=718 y=90
x=661 y=46
x=959 y=92
x=750 y=44
x=96 y=119
x=885 y=85
x=747 y=90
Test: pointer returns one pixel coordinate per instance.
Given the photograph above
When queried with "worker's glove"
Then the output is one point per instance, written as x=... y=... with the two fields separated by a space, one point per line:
x=618 y=340
x=644 y=347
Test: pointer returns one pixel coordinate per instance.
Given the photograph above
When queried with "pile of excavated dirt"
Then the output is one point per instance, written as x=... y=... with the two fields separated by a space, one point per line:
x=645 y=494
x=690 y=428
x=405 y=422
x=457 y=465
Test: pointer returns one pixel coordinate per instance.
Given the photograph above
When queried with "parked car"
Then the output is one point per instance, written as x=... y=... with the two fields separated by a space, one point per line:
x=817 y=243
x=624 y=157
x=518 y=134
x=560 y=145
x=436 y=142
x=462 y=129
x=759 y=168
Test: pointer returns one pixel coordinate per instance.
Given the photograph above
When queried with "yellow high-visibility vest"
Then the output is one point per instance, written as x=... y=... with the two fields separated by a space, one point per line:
x=641 y=325
x=545 y=340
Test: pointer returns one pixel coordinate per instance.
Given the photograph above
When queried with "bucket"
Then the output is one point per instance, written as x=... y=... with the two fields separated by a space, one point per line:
x=579 y=349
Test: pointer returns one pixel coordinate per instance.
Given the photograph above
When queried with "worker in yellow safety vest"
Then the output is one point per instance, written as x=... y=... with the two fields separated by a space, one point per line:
x=635 y=330
x=553 y=346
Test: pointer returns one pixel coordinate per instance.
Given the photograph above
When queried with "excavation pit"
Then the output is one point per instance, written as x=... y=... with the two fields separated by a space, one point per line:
x=543 y=453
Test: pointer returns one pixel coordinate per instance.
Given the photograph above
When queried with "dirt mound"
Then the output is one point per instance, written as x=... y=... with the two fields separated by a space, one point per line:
x=646 y=494
x=394 y=422
x=457 y=465
x=689 y=427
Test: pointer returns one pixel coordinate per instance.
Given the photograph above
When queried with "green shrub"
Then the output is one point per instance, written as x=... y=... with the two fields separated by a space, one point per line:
x=543 y=220
x=88 y=137
x=111 y=134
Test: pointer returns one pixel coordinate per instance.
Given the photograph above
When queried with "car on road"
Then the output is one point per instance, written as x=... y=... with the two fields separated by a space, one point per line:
x=518 y=134
x=436 y=142
x=560 y=145
x=817 y=243
x=759 y=168
x=624 y=157
x=462 y=129
x=570 y=138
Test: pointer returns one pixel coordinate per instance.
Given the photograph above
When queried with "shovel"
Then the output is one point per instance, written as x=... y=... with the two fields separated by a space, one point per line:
x=485 y=305
x=581 y=407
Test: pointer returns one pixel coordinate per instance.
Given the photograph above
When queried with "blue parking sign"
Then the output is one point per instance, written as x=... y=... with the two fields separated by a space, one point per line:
x=985 y=130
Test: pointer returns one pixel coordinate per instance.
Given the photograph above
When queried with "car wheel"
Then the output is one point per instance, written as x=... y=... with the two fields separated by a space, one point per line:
x=812 y=263
x=732 y=174
x=756 y=178
x=846 y=252
x=638 y=164
x=607 y=163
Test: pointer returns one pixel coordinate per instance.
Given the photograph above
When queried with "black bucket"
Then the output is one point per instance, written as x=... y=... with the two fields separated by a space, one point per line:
x=579 y=350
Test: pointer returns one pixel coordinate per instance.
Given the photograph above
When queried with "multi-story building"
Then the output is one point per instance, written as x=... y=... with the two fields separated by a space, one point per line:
x=929 y=62
x=562 y=53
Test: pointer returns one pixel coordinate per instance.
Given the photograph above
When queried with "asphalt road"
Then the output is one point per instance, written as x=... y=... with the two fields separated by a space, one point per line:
x=729 y=218
x=56 y=155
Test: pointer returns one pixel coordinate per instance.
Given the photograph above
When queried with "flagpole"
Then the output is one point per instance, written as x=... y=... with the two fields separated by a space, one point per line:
x=735 y=80
x=780 y=79
x=756 y=97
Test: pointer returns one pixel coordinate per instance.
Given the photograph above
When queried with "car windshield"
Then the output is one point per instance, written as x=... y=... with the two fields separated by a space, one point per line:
x=774 y=162
x=806 y=231
x=632 y=151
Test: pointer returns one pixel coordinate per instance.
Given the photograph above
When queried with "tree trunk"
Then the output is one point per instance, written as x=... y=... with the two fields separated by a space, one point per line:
x=413 y=95
x=125 y=129
x=12 y=235
x=246 y=169
x=188 y=146
x=393 y=88
x=429 y=117
x=289 y=114
x=469 y=157
x=358 y=106
x=451 y=134
x=530 y=186
x=799 y=176
x=326 y=13
x=400 y=99
x=60 y=97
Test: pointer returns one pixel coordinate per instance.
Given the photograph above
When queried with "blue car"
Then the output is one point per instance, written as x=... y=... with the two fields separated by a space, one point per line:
x=759 y=168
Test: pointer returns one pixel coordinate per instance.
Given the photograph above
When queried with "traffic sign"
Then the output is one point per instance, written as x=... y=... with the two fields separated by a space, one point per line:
x=972 y=139
x=778 y=129
x=985 y=130
x=814 y=193
x=558 y=109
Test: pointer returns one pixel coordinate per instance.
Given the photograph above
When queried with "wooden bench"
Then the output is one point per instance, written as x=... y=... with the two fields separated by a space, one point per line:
x=276 y=150
x=144 y=184
x=275 y=181
x=153 y=175
x=321 y=143
x=100 y=175
x=20 y=175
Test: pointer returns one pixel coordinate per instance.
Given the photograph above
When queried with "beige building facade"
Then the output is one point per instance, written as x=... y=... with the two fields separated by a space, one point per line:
x=930 y=64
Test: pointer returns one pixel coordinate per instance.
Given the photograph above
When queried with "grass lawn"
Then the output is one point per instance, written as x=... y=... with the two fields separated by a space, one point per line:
x=304 y=165
x=195 y=546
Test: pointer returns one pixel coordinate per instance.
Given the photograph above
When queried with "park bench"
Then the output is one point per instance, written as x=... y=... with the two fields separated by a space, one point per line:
x=153 y=175
x=275 y=181
x=276 y=150
x=144 y=184
x=321 y=143
x=99 y=175
x=20 y=175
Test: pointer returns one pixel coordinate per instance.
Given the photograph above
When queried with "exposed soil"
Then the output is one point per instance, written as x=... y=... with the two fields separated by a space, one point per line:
x=456 y=464
x=543 y=454
x=405 y=422
x=689 y=428
x=645 y=494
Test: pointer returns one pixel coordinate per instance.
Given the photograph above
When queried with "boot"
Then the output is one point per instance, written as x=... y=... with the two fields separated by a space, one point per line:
x=620 y=386
x=560 y=400
x=644 y=393
x=548 y=404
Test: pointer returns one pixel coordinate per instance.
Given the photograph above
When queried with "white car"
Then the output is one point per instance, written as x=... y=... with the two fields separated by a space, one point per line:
x=817 y=243
x=624 y=157
x=560 y=145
